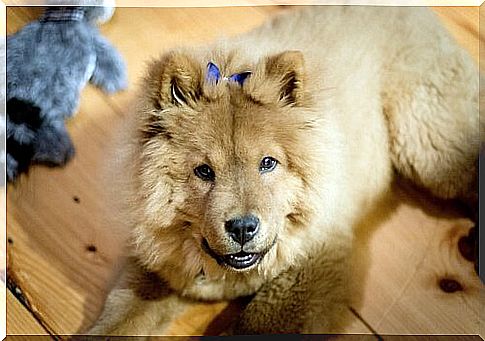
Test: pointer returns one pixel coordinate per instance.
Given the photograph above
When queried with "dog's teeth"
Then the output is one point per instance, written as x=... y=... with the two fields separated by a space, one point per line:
x=244 y=258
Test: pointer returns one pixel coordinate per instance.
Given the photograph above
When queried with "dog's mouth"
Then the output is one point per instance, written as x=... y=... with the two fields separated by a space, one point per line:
x=239 y=261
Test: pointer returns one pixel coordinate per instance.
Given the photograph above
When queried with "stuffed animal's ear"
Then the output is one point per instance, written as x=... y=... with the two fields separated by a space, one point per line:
x=280 y=78
x=175 y=80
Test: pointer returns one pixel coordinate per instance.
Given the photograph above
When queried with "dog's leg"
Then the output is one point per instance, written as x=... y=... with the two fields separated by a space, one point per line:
x=141 y=304
x=126 y=313
x=431 y=103
x=313 y=298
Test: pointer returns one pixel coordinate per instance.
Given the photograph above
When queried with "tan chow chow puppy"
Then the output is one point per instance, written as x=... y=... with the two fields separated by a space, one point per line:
x=253 y=160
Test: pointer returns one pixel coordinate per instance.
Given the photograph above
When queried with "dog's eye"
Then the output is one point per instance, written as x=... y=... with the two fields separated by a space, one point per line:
x=205 y=172
x=267 y=164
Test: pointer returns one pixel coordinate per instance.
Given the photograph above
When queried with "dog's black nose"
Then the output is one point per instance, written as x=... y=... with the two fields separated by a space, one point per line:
x=243 y=229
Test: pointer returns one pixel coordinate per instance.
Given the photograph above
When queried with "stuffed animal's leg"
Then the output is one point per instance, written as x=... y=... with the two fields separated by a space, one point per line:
x=109 y=72
x=313 y=298
x=52 y=144
x=33 y=138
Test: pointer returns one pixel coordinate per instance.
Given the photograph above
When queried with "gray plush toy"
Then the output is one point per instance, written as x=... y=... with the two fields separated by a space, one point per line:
x=49 y=61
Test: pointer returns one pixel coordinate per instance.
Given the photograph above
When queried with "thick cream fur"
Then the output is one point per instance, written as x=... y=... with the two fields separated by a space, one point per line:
x=344 y=98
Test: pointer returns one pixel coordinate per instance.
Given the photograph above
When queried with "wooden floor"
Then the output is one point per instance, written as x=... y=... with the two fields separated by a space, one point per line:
x=62 y=250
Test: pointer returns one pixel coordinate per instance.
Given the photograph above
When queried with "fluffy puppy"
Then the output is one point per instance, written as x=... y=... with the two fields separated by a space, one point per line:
x=254 y=158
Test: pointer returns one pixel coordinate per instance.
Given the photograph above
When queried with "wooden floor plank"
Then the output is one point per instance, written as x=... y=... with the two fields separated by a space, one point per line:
x=419 y=244
x=55 y=219
x=19 y=319
x=445 y=312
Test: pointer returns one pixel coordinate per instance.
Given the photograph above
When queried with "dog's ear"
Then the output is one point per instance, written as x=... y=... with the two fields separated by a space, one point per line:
x=279 y=78
x=175 y=80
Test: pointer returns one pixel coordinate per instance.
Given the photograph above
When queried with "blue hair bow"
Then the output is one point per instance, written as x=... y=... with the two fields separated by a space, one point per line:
x=214 y=75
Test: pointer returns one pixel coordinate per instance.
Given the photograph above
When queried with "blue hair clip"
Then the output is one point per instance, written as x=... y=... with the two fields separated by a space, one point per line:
x=240 y=77
x=214 y=75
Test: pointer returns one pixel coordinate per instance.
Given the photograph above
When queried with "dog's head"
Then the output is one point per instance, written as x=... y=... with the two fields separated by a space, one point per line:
x=225 y=165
